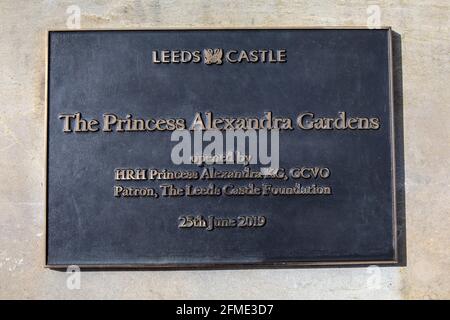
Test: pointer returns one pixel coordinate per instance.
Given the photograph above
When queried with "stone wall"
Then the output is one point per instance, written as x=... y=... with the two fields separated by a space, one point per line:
x=425 y=94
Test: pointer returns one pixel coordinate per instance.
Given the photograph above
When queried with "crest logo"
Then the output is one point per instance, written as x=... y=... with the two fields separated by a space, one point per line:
x=213 y=56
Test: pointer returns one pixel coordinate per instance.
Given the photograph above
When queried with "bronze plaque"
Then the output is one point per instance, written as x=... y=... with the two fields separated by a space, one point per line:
x=220 y=148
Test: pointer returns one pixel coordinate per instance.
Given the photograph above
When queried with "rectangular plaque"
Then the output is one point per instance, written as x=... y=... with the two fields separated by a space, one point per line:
x=216 y=148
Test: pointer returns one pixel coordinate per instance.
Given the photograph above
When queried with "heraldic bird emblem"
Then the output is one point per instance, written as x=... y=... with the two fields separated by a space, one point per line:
x=213 y=56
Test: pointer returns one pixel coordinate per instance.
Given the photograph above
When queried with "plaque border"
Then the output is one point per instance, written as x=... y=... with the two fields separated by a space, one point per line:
x=230 y=266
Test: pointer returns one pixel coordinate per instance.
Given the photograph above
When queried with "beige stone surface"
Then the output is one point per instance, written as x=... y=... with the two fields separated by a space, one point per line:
x=424 y=27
